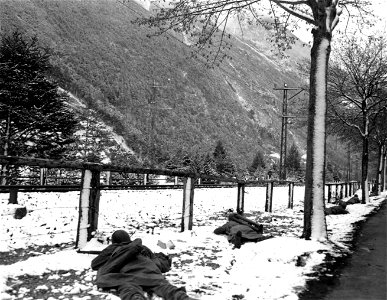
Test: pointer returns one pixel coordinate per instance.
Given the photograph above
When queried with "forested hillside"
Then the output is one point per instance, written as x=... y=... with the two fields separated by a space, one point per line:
x=109 y=63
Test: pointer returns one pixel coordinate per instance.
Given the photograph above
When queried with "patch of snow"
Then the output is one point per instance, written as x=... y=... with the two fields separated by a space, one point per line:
x=119 y=139
x=270 y=61
x=202 y=260
x=116 y=137
x=79 y=102
x=144 y=3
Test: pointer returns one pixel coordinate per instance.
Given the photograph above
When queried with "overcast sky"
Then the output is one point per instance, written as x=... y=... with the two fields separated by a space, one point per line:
x=380 y=9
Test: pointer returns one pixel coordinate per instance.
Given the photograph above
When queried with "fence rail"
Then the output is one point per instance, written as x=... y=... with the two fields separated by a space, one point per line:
x=91 y=187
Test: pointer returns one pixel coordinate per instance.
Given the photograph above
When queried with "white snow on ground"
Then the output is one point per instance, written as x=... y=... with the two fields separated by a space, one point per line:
x=206 y=264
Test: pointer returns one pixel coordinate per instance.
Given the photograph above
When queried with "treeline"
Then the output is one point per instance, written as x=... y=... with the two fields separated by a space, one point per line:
x=37 y=120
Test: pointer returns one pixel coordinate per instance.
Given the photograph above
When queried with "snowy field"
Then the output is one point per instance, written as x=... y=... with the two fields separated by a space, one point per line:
x=206 y=264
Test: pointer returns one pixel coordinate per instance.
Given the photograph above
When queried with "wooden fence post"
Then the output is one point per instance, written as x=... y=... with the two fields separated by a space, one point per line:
x=269 y=197
x=188 y=197
x=338 y=186
x=108 y=178
x=95 y=194
x=12 y=196
x=43 y=176
x=291 y=195
x=88 y=207
x=336 y=192
x=241 y=198
x=329 y=193
x=146 y=177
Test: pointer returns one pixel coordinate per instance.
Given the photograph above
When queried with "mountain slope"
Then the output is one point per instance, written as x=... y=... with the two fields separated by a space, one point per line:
x=107 y=61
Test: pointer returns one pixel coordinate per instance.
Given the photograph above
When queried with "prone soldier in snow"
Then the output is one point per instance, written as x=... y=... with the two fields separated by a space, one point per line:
x=240 y=230
x=132 y=268
x=339 y=209
x=355 y=199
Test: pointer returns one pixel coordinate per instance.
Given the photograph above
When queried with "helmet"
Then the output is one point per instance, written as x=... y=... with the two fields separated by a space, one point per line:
x=120 y=236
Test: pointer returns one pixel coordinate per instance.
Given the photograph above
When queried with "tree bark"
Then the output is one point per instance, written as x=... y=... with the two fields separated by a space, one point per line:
x=364 y=173
x=384 y=168
x=4 y=167
x=364 y=160
x=378 y=180
x=314 y=205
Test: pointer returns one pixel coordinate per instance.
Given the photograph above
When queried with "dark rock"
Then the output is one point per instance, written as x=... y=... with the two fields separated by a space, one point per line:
x=20 y=212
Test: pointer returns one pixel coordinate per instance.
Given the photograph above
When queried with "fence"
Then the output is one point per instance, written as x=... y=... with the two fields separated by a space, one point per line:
x=340 y=190
x=90 y=188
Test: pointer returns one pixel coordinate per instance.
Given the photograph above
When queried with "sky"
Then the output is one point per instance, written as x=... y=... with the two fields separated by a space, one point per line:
x=379 y=7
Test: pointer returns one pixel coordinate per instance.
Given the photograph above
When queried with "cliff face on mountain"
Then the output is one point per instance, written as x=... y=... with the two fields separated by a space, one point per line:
x=151 y=91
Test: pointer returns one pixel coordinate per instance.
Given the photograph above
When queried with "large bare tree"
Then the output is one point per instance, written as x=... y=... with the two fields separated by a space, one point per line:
x=357 y=83
x=204 y=23
x=379 y=138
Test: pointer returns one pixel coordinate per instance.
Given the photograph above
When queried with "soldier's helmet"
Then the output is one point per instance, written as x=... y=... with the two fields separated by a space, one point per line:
x=120 y=236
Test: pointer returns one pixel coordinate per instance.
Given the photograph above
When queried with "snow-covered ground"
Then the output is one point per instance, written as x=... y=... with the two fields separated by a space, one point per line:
x=205 y=263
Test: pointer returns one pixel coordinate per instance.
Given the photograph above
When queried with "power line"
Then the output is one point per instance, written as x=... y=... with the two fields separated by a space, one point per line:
x=151 y=122
x=285 y=90
x=284 y=126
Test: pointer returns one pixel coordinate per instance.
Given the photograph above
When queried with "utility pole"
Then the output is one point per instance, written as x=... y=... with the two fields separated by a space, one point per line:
x=151 y=124
x=349 y=162
x=284 y=127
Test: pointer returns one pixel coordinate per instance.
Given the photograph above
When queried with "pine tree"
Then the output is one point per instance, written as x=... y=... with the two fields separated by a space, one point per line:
x=293 y=160
x=258 y=163
x=34 y=117
x=223 y=163
x=209 y=165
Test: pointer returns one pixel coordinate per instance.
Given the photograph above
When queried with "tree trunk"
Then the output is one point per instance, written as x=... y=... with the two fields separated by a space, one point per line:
x=4 y=167
x=314 y=206
x=377 y=188
x=384 y=168
x=364 y=164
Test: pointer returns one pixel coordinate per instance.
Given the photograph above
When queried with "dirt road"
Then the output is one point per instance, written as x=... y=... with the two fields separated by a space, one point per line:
x=364 y=278
x=362 y=275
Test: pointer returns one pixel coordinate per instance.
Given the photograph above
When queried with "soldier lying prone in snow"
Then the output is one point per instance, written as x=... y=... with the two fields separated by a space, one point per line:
x=240 y=230
x=132 y=268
